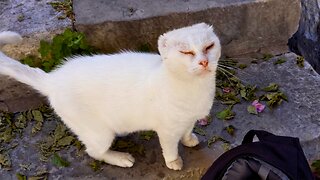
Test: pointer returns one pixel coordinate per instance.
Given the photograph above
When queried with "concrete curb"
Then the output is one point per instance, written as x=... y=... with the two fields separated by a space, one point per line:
x=244 y=26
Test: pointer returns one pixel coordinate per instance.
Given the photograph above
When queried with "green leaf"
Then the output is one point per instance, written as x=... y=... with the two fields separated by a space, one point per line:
x=21 y=176
x=59 y=162
x=65 y=141
x=37 y=178
x=280 y=61
x=300 y=61
x=78 y=144
x=243 y=93
x=199 y=131
x=5 y=161
x=226 y=114
x=266 y=57
x=226 y=146
x=147 y=135
x=316 y=166
x=215 y=139
x=36 y=128
x=248 y=92
x=28 y=115
x=271 y=88
x=44 y=49
x=59 y=132
x=41 y=174
x=252 y=110
x=274 y=99
x=7 y=135
x=95 y=165
x=62 y=45
x=37 y=115
x=242 y=66
x=228 y=98
x=20 y=121
x=25 y=166
x=121 y=144
x=230 y=130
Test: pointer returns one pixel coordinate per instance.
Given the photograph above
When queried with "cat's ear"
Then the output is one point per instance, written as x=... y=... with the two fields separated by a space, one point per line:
x=162 y=44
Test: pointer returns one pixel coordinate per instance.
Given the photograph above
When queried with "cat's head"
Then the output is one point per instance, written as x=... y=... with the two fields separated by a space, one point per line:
x=193 y=50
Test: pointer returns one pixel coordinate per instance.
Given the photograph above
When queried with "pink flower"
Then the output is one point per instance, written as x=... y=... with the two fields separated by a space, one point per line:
x=203 y=122
x=226 y=90
x=259 y=107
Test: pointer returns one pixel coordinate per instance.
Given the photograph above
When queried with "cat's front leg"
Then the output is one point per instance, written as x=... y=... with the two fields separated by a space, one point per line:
x=189 y=139
x=169 y=144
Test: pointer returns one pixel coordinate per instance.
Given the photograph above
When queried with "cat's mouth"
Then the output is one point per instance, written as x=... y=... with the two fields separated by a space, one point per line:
x=204 y=71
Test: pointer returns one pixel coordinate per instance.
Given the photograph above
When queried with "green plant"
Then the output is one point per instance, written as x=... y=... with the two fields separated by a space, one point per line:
x=300 y=61
x=63 y=45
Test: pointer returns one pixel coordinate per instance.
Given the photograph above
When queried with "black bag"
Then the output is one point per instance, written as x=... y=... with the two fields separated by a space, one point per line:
x=271 y=158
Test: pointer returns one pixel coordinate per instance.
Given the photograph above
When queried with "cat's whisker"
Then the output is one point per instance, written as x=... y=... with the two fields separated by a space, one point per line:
x=228 y=67
x=246 y=58
x=238 y=70
x=223 y=72
x=230 y=74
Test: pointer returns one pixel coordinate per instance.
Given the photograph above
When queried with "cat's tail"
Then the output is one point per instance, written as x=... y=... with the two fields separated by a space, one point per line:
x=33 y=77
x=8 y=37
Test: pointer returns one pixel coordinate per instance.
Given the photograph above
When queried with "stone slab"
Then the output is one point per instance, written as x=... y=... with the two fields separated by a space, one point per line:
x=244 y=26
x=35 y=20
x=299 y=117
x=306 y=41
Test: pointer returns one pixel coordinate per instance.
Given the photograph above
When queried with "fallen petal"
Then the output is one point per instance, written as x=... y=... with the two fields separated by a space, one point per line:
x=226 y=90
x=260 y=107
x=203 y=122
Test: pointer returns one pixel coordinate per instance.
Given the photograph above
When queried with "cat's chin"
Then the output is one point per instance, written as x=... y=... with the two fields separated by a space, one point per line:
x=203 y=73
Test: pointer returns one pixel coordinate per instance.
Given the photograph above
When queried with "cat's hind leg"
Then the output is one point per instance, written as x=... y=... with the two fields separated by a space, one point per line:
x=98 y=147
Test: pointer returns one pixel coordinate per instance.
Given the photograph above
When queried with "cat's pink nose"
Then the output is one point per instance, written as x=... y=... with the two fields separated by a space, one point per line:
x=204 y=63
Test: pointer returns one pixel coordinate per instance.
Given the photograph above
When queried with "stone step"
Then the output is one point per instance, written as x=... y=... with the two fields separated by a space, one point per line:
x=244 y=26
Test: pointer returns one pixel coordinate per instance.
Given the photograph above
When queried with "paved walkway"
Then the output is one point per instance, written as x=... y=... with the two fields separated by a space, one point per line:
x=298 y=117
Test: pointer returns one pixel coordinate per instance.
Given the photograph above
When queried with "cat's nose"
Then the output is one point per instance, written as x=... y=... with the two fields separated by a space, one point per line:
x=204 y=63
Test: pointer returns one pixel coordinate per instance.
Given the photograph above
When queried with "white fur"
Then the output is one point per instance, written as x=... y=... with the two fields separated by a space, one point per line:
x=102 y=96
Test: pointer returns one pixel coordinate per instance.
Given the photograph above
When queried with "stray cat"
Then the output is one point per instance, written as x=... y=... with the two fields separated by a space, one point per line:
x=102 y=96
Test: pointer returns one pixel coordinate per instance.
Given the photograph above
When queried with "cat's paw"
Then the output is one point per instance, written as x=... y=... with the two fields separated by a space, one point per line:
x=176 y=164
x=191 y=141
x=125 y=160
x=120 y=159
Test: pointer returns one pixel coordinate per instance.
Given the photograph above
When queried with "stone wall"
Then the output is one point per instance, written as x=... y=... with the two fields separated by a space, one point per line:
x=306 y=41
x=244 y=26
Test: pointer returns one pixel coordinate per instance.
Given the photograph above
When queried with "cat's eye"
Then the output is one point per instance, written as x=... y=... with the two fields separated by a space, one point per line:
x=209 y=47
x=190 y=53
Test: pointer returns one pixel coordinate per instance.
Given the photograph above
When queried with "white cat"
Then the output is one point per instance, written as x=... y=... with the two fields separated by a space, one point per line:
x=102 y=96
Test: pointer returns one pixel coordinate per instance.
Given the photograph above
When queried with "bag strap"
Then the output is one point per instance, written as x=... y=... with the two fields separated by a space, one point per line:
x=262 y=135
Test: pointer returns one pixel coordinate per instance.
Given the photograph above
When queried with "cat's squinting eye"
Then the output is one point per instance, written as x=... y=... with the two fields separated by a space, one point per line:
x=209 y=47
x=191 y=53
